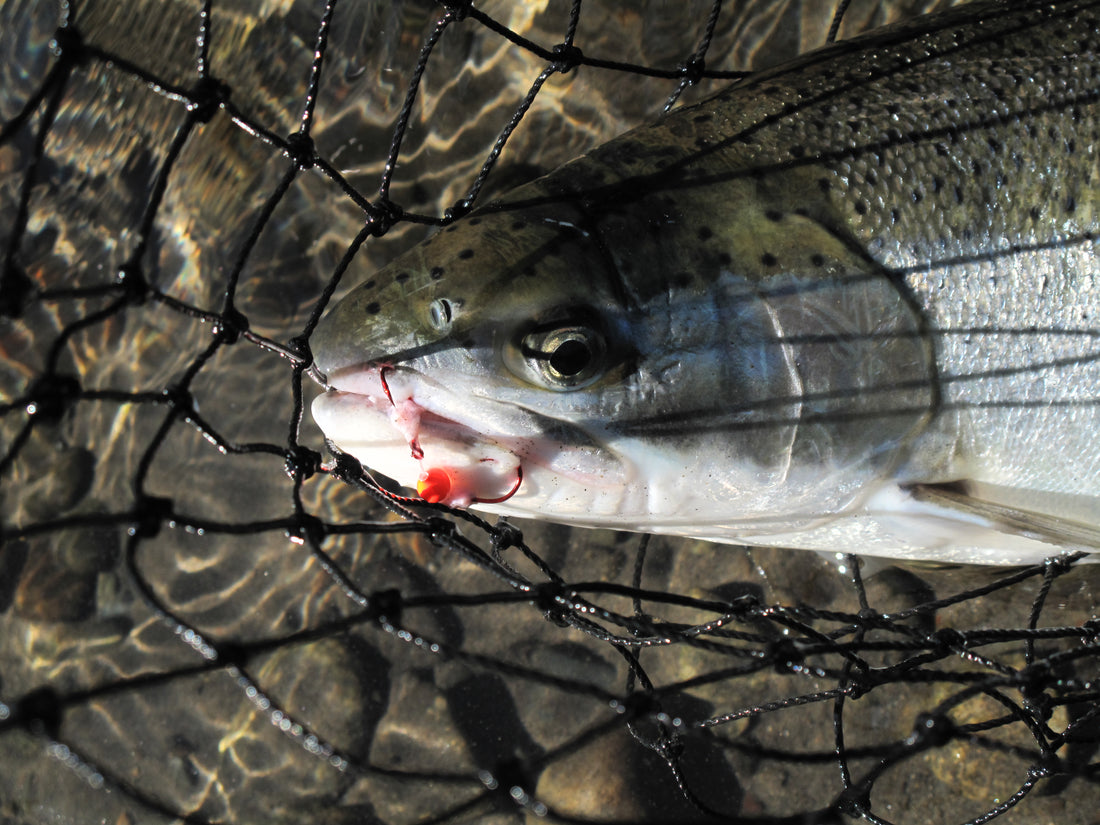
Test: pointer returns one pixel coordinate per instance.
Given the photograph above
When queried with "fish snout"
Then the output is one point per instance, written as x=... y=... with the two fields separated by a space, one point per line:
x=371 y=326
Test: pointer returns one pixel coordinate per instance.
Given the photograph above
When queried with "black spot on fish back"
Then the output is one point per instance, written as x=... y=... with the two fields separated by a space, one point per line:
x=466 y=254
x=625 y=152
x=435 y=273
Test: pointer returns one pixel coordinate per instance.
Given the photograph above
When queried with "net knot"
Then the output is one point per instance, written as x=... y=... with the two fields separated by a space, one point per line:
x=510 y=782
x=345 y=467
x=636 y=706
x=307 y=529
x=1059 y=565
x=566 y=58
x=459 y=210
x=948 y=638
x=457 y=10
x=869 y=617
x=302 y=462
x=150 y=513
x=854 y=802
x=230 y=326
x=505 y=535
x=382 y=216
x=385 y=605
x=67 y=45
x=179 y=398
x=1033 y=682
x=131 y=277
x=743 y=605
x=301 y=151
x=1049 y=764
x=40 y=712
x=51 y=396
x=230 y=654
x=786 y=656
x=440 y=530
x=1091 y=635
x=859 y=685
x=15 y=288
x=299 y=345
x=932 y=730
x=207 y=97
x=691 y=71
x=549 y=597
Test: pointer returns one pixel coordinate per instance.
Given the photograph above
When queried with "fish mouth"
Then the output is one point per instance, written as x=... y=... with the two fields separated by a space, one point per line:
x=398 y=423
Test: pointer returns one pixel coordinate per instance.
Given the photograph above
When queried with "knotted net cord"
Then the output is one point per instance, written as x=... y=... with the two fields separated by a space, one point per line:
x=209 y=616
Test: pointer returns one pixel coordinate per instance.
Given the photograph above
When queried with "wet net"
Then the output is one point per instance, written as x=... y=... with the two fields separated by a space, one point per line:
x=207 y=617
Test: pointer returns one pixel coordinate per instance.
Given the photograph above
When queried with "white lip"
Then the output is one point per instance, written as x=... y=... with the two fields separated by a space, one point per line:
x=360 y=380
x=402 y=385
x=360 y=428
x=391 y=425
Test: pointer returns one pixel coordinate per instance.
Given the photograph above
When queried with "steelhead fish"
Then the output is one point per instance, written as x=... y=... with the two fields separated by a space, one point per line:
x=847 y=304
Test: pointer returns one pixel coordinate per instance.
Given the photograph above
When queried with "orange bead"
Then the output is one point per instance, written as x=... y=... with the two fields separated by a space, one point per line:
x=434 y=485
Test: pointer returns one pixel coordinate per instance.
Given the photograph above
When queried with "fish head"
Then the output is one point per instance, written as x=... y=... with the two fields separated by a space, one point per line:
x=537 y=360
x=485 y=354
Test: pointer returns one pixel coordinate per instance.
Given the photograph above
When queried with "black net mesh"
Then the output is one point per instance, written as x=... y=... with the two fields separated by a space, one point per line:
x=206 y=617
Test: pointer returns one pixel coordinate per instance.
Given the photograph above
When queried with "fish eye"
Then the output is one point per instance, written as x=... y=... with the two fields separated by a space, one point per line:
x=563 y=358
x=440 y=314
x=571 y=357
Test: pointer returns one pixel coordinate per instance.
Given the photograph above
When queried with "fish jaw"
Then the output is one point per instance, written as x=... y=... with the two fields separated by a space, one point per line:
x=378 y=420
x=493 y=457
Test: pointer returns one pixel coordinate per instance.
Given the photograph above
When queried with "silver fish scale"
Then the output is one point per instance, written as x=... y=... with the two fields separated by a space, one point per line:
x=975 y=177
x=974 y=148
x=964 y=160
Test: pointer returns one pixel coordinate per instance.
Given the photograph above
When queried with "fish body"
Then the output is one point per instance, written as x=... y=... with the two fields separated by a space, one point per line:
x=848 y=304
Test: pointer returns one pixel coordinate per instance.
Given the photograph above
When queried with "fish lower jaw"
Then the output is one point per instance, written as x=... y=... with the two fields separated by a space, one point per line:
x=444 y=459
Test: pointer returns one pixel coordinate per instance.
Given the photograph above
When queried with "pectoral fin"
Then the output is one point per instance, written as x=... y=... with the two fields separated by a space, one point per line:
x=958 y=503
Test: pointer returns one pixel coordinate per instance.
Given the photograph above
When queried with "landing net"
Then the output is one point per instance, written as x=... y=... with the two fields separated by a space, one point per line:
x=206 y=617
